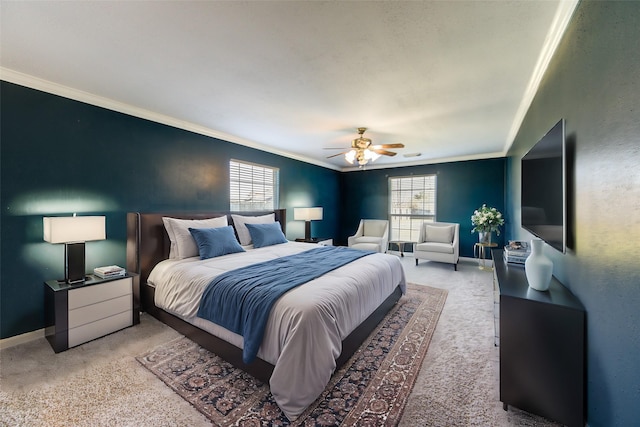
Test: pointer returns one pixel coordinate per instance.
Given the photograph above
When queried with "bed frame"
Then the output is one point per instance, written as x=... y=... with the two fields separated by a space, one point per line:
x=148 y=244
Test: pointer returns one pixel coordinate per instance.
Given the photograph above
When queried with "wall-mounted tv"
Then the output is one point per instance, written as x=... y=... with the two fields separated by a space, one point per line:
x=543 y=208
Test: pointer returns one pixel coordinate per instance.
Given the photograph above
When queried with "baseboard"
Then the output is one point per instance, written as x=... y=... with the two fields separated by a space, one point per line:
x=21 y=339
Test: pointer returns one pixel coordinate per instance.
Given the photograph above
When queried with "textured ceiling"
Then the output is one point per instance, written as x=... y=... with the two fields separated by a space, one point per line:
x=449 y=79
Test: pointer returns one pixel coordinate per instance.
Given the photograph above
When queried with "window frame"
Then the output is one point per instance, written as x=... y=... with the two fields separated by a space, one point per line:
x=410 y=234
x=255 y=184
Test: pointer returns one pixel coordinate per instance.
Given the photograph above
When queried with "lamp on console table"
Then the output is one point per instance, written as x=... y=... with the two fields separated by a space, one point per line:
x=307 y=215
x=73 y=231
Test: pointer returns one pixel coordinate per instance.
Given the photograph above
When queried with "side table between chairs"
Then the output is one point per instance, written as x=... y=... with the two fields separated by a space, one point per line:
x=480 y=248
x=400 y=245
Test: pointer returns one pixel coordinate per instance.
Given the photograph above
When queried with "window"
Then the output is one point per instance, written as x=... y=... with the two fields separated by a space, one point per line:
x=412 y=201
x=252 y=187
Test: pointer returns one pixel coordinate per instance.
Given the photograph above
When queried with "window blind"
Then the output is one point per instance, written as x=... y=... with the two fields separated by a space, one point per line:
x=412 y=201
x=252 y=187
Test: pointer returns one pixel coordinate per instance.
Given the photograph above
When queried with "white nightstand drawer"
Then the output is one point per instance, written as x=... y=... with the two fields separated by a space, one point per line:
x=99 y=328
x=92 y=294
x=91 y=313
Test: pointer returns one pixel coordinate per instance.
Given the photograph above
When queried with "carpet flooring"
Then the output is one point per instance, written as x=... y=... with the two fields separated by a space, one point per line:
x=370 y=389
x=100 y=383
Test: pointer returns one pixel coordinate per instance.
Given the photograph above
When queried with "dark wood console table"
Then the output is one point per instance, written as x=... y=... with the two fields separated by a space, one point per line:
x=542 y=346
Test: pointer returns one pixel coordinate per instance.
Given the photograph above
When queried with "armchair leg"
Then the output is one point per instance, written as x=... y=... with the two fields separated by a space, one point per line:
x=416 y=261
x=455 y=267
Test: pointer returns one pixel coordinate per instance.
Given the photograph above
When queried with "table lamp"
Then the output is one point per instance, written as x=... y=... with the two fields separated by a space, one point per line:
x=307 y=215
x=73 y=231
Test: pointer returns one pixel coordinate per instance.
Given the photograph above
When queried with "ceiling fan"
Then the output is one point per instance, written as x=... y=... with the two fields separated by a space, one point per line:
x=362 y=151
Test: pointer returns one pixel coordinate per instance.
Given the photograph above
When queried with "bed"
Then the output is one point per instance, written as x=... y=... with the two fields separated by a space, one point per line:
x=296 y=365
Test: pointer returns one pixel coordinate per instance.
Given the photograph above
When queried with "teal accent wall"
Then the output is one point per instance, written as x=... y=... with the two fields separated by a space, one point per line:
x=61 y=156
x=593 y=82
x=462 y=187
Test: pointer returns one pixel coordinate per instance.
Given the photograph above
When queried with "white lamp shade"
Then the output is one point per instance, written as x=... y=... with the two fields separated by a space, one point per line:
x=371 y=155
x=307 y=214
x=350 y=156
x=67 y=229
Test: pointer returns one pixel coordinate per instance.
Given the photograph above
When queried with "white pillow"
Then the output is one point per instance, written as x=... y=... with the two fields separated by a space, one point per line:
x=183 y=244
x=239 y=222
x=439 y=234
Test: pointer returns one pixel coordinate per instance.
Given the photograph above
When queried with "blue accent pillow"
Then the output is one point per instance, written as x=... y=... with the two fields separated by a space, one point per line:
x=266 y=234
x=213 y=242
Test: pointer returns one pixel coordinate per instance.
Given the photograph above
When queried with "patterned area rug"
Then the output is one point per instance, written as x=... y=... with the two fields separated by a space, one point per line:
x=370 y=389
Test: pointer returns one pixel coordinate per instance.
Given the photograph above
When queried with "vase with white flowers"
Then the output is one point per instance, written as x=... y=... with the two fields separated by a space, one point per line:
x=485 y=221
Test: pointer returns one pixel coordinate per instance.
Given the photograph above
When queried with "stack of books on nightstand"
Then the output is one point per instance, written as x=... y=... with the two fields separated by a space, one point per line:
x=109 y=271
x=516 y=252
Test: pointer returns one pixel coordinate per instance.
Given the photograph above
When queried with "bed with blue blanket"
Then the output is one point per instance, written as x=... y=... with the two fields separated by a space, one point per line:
x=289 y=313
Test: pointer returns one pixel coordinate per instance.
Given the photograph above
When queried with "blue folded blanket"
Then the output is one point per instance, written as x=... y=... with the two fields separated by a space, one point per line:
x=241 y=300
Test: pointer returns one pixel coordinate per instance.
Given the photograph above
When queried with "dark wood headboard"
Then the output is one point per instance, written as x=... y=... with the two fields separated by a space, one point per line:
x=148 y=241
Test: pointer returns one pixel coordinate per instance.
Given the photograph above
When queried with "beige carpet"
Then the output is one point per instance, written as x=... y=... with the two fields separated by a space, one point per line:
x=101 y=384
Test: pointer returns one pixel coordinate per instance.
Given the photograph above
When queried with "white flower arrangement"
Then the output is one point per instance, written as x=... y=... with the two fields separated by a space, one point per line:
x=486 y=219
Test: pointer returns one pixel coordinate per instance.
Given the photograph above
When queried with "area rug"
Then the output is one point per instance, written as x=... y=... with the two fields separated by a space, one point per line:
x=370 y=389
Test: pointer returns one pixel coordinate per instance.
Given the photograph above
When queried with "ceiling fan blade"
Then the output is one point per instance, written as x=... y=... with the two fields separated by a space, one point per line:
x=333 y=148
x=335 y=155
x=383 y=152
x=388 y=146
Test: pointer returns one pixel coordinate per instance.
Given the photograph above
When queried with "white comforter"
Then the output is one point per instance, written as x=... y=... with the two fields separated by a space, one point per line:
x=306 y=326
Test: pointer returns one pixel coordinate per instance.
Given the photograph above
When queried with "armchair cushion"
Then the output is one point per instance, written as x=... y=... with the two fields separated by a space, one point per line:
x=366 y=239
x=443 y=248
x=439 y=234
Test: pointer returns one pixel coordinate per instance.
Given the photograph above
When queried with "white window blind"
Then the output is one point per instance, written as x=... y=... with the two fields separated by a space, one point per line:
x=412 y=201
x=252 y=187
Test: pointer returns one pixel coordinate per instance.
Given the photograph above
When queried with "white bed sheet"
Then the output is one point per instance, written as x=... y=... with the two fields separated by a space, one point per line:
x=306 y=326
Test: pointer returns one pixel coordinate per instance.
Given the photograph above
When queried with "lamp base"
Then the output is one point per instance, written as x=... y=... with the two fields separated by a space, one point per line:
x=307 y=230
x=74 y=262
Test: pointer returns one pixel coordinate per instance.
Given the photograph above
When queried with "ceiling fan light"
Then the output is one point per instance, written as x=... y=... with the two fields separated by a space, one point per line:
x=371 y=155
x=368 y=154
x=350 y=156
x=363 y=152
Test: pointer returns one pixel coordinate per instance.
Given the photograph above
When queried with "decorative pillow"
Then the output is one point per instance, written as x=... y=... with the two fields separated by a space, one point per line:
x=439 y=234
x=182 y=243
x=239 y=222
x=213 y=242
x=266 y=234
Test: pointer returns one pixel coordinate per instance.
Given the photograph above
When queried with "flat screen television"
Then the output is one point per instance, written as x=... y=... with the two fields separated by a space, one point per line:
x=543 y=208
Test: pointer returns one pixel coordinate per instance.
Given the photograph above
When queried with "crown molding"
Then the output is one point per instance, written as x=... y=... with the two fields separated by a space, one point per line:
x=373 y=166
x=33 y=82
x=563 y=16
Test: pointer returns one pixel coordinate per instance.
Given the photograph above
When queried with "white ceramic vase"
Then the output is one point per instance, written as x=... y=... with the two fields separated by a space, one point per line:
x=538 y=267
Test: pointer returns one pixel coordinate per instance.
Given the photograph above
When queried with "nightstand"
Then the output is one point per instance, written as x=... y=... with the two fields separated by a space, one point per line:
x=318 y=240
x=75 y=314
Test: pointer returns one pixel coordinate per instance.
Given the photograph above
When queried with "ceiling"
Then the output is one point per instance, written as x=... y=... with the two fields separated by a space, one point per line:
x=450 y=79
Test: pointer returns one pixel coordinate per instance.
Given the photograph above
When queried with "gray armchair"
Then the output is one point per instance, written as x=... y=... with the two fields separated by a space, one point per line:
x=372 y=235
x=440 y=242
